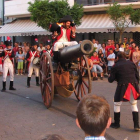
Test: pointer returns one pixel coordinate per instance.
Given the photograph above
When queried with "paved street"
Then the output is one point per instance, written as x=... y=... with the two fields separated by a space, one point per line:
x=24 y=117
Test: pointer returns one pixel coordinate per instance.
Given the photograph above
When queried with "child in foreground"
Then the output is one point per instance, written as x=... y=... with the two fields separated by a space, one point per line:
x=93 y=117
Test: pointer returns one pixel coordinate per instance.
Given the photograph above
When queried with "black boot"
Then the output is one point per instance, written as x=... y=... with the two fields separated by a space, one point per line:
x=56 y=56
x=28 y=81
x=116 y=123
x=37 y=81
x=11 y=86
x=4 y=87
x=136 y=120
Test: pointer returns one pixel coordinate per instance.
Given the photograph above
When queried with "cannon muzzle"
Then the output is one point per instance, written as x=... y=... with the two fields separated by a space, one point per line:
x=71 y=53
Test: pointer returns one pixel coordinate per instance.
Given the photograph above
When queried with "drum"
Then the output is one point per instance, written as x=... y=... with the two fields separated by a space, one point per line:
x=36 y=61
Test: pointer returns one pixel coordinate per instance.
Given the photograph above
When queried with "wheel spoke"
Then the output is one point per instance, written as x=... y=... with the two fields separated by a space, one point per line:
x=85 y=83
x=78 y=90
x=83 y=89
x=48 y=86
x=76 y=84
x=48 y=78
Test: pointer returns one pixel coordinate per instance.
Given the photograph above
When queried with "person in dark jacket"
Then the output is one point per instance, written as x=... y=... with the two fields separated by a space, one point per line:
x=126 y=75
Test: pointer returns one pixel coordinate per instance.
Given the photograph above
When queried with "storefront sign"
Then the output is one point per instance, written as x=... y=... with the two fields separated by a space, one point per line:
x=27 y=34
x=111 y=30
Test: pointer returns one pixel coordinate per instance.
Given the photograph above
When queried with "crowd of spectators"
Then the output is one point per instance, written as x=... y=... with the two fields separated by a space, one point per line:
x=101 y=61
x=105 y=56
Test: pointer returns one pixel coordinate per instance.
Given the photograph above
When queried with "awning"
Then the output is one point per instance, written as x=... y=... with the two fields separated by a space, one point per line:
x=101 y=23
x=22 y=27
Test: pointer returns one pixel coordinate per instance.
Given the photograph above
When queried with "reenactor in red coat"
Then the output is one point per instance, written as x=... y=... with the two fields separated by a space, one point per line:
x=30 y=57
x=8 y=58
x=127 y=77
x=63 y=35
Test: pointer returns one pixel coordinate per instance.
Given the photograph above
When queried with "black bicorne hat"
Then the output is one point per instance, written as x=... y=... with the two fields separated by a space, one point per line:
x=67 y=18
x=54 y=27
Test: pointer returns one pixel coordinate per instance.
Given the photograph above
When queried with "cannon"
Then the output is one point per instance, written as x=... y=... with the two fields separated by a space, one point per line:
x=81 y=85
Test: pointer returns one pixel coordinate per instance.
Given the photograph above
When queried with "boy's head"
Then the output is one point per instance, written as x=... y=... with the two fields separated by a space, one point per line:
x=95 y=54
x=93 y=115
x=111 y=50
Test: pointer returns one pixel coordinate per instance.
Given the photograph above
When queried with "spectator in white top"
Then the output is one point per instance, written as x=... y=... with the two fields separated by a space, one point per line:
x=99 y=45
x=121 y=49
x=111 y=60
x=95 y=45
x=41 y=48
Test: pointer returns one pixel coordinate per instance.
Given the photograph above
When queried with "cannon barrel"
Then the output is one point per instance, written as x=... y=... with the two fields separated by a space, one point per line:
x=71 y=53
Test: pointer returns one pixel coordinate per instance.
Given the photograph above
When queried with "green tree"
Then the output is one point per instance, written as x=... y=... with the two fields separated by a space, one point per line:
x=44 y=12
x=123 y=16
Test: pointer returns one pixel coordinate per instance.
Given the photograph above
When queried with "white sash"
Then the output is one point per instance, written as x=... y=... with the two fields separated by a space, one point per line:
x=33 y=55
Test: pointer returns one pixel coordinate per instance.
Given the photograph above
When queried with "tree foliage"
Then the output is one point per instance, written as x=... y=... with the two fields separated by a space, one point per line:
x=122 y=17
x=44 y=12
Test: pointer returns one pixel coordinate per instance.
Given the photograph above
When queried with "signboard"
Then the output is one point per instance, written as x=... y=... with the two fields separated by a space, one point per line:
x=27 y=34
x=111 y=30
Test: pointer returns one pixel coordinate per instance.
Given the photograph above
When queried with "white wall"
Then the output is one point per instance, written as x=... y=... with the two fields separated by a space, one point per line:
x=1 y=9
x=19 y=8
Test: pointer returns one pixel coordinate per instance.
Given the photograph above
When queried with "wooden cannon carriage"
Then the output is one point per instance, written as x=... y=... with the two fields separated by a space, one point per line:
x=75 y=55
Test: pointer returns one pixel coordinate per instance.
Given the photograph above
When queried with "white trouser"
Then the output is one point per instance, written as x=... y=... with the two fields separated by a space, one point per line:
x=60 y=45
x=1 y=68
x=8 y=66
x=132 y=101
x=31 y=68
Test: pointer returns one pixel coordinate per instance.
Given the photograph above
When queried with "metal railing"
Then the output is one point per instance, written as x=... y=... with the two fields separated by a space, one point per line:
x=98 y=2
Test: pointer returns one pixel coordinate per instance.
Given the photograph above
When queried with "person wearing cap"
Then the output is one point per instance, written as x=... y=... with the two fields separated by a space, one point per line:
x=64 y=35
x=8 y=56
x=30 y=57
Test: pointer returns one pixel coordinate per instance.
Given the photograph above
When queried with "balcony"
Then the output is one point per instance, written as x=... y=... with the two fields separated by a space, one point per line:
x=101 y=5
x=98 y=2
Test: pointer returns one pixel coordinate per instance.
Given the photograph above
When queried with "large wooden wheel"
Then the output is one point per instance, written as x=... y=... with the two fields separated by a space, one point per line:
x=46 y=79
x=83 y=83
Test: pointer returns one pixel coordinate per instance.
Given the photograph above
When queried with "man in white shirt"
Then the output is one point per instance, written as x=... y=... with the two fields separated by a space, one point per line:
x=41 y=48
x=111 y=60
x=95 y=45
x=99 y=46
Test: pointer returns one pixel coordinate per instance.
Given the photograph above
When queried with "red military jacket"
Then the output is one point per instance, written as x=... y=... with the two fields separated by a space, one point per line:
x=5 y=55
x=68 y=33
x=30 y=54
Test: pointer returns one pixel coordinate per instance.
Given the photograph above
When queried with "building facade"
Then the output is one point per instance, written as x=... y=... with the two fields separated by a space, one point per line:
x=95 y=23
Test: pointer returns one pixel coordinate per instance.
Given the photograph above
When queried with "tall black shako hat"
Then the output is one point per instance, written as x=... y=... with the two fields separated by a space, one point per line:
x=48 y=42
x=67 y=18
